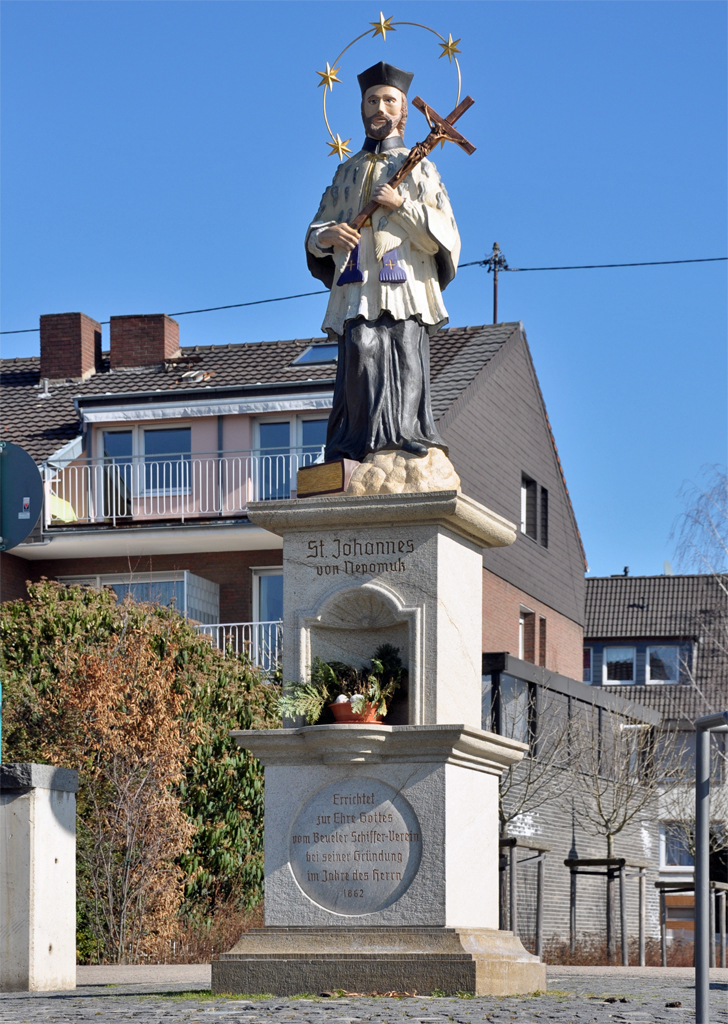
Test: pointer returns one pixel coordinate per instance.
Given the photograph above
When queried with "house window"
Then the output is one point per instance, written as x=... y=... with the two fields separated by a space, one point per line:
x=587 y=674
x=663 y=664
x=274 y=449
x=544 y=517
x=527 y=636
x=674 y=846
x=528 y=506
x=167 y=459
x=282 y=447
x=514 y=708
x=542 y=641
x=313 y=438
x=268 y=594
x=318 y=354
x=118 y=451
x=194 y=597
x=619 y=665
x=487 y=703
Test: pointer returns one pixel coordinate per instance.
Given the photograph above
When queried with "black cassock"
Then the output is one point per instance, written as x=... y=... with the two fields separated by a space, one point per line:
x=382 y=391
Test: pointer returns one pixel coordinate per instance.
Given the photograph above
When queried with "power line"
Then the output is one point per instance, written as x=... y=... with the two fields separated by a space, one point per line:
x=474 y=263
x=597 y=266
x=209 y=309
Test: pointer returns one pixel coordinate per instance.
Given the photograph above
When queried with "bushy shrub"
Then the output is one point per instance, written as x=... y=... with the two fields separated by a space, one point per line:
x=71 y=655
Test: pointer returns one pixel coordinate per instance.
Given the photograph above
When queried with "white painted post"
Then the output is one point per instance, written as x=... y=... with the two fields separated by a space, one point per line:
x=37 y=878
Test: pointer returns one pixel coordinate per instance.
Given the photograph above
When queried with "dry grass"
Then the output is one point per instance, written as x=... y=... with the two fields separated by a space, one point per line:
x=202 y=942
x=591 y=951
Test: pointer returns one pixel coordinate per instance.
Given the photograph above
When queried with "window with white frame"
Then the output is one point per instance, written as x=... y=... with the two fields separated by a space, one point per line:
x=268 y=594
x=164 y=452
x=283 y=444
x=618 y=665
x=528 y=506
x=663 y=664
x=193 y=596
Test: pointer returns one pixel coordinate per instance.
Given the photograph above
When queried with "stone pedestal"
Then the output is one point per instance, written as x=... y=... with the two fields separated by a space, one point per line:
x=37 y=878
x=400 y=568
x=389 y=836
x=381 y=841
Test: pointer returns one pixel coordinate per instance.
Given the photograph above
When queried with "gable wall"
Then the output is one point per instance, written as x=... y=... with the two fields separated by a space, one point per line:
x=497 y=431
x=502 y=605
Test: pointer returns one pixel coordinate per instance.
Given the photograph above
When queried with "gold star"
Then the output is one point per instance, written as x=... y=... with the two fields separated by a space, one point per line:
x=328 y=77
x=449 y=49
x=341 y=148
x=383 y=26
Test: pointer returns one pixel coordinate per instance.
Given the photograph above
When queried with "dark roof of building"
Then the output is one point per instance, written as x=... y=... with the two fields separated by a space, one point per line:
x=693 y=608
x=648 y=606
x=42 y=425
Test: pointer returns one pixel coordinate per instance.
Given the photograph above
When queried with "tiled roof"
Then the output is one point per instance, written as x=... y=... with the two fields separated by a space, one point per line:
x=668 y=607
x=42 y=425
x=648 y=606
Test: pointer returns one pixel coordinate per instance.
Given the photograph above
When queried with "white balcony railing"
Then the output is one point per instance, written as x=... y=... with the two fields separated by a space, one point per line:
x=259 y=641
x=109 y=490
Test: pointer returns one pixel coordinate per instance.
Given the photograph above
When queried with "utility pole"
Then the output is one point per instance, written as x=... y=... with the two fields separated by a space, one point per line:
x=496 y=262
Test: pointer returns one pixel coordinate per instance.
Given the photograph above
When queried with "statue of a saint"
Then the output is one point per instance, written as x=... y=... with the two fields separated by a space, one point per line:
x=386 y=282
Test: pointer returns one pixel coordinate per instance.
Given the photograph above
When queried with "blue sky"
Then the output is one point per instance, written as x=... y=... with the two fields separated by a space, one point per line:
x=162 y=156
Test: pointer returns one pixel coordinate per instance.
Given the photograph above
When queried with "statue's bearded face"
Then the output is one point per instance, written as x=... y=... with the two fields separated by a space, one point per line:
x=384 y=111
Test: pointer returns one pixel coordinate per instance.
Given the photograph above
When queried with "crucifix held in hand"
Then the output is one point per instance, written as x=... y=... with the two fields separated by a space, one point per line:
x=441 y=130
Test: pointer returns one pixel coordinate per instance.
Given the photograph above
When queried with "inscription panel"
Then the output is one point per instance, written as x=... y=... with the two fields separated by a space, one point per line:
x=353 y=556
x=355 y=846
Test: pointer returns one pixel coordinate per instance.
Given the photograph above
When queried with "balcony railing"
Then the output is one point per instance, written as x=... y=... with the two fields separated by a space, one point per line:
x=259 y=641
x=188 y=486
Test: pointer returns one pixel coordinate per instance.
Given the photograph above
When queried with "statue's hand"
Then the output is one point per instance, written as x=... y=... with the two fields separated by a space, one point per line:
x=341 y=236
x=387 y=197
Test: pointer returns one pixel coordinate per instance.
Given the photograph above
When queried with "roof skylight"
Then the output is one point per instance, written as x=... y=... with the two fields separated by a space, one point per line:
x=317 y=354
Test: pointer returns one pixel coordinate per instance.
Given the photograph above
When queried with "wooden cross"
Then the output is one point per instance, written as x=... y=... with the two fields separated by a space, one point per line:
x=442 y=130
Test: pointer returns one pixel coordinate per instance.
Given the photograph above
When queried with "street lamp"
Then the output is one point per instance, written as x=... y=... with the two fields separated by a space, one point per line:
x=703 y=728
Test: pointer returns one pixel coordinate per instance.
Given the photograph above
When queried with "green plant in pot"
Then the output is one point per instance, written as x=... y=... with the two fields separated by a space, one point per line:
x=352 y=694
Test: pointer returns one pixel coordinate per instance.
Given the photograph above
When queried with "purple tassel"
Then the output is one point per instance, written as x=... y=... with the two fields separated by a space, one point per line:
x=351 y=273
x=391 y=269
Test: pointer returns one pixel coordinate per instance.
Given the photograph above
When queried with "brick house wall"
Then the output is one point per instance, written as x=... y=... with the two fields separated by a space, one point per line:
x=502 y=604
x=230 y=569
x=14 y=572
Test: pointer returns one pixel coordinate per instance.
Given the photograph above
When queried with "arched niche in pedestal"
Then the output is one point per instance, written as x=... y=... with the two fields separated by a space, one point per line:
x=350 y=624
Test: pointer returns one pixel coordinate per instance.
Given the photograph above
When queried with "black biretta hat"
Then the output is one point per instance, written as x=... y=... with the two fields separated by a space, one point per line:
x=385 y=74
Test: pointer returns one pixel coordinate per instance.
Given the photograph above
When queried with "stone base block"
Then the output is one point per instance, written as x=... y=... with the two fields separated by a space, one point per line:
x=291 y=961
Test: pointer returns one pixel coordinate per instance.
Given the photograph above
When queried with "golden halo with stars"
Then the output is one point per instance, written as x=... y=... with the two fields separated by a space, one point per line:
x=449 y=48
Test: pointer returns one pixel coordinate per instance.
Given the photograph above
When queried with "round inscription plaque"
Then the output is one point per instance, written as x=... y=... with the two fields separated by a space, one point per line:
x=355 y=846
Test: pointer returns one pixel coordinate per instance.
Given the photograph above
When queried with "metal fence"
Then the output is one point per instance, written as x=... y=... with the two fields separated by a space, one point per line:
x=259 y=641
x=106 y=490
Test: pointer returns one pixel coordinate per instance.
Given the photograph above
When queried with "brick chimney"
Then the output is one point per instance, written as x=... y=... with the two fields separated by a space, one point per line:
x=143 y=340
x=70 y=345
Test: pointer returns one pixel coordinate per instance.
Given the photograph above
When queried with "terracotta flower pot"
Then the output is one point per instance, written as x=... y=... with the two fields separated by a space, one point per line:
x=343 y=714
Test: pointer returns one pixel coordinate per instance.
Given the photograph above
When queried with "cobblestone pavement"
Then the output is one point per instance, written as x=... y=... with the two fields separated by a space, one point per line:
x=581 y=998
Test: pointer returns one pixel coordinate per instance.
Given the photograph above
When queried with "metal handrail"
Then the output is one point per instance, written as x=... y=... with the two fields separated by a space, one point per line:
x=261 y=642
x=105 y=490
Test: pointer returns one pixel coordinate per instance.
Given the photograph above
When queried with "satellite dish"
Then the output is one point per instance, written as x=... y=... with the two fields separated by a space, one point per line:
x=21 y=495
x=667 y=568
